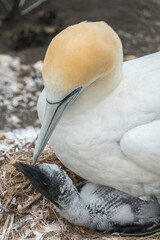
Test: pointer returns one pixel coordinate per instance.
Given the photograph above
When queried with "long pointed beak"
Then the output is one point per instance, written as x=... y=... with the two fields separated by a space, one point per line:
x=53 y=113
x=29 y=171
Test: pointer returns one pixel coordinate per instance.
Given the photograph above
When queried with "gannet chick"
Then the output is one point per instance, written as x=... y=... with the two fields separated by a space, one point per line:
x=109 y=111
x=89 y=205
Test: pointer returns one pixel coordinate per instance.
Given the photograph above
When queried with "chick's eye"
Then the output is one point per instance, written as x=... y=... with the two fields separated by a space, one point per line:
x=44 y=181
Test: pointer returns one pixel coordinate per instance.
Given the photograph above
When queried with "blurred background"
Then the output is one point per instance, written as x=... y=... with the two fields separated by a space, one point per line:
x=27 y=27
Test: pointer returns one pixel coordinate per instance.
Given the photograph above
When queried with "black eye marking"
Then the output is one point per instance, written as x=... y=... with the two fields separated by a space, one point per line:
x=69 y=95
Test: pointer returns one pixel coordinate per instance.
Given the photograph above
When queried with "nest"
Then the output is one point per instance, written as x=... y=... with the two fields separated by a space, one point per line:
x=26 y=214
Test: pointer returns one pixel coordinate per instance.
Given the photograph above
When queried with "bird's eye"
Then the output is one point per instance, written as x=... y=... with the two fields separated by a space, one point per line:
x=44 y=181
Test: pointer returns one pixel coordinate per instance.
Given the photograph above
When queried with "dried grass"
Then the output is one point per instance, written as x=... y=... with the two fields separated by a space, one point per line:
x=26 y=214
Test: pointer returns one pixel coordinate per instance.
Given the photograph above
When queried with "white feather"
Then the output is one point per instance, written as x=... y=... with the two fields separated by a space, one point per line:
x=105 y=138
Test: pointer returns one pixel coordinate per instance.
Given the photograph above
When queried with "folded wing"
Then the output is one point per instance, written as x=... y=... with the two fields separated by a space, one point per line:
x=142 y=145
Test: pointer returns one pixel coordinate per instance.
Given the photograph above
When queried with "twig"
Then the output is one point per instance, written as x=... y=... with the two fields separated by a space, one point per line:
x=30 y=144
x=5 y=227
x=29 y=203
x=33 y=142
x=4 y=209
x=10 y=227
x=6 y=157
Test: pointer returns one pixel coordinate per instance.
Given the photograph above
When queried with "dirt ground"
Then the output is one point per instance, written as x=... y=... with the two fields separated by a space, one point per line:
x=136 y=21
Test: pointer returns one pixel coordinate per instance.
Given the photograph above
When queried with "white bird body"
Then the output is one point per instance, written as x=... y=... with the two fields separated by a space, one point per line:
x=111 y=135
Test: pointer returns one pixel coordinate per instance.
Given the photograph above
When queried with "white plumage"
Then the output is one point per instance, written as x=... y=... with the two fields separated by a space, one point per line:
x=115 y=140
x=110 y=135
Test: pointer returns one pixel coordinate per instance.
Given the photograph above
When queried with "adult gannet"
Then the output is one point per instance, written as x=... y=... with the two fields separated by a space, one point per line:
x=89 y=205
x=109 y=135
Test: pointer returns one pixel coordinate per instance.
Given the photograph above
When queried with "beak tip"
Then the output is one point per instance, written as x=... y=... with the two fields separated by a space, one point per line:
x=19 y=166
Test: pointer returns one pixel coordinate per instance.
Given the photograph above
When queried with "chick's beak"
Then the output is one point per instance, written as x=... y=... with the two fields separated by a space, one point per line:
x=53 y=113
x=29 y=171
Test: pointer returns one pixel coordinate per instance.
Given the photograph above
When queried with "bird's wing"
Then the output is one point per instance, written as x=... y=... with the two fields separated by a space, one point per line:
x=142 y=145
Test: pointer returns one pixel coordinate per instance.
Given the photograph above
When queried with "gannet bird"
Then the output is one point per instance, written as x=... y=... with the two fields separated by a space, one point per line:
x=109 y=133
x=91 y=206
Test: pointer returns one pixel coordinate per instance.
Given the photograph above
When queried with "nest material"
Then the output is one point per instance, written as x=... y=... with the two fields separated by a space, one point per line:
x=26 y=214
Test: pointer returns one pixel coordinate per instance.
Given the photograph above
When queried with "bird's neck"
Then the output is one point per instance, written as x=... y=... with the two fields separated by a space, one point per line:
x=68 y=195
x=110 y=81
x=72 y=208
x=100 y=89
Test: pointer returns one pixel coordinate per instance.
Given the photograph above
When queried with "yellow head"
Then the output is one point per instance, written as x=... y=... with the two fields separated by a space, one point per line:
x=78 y=55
